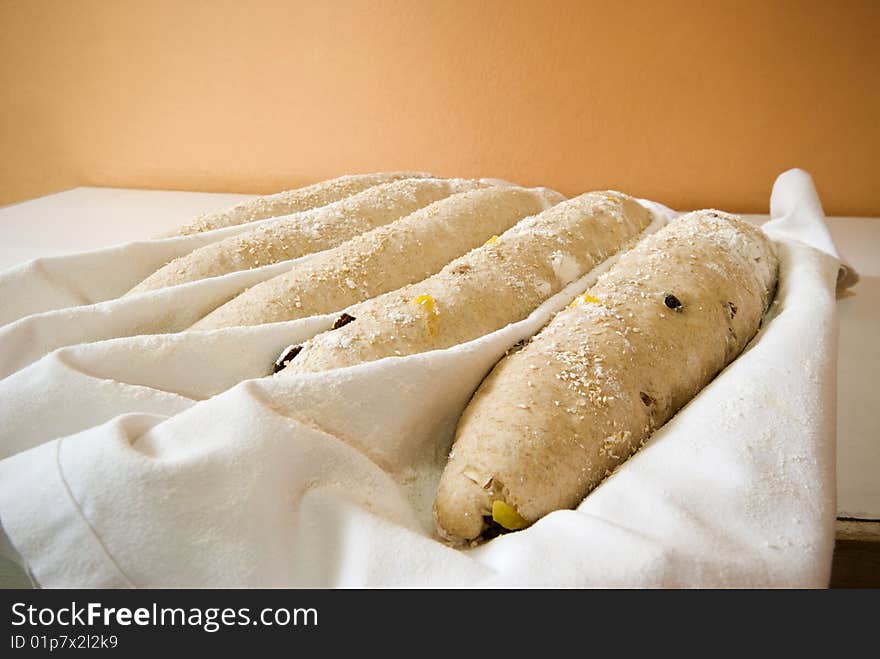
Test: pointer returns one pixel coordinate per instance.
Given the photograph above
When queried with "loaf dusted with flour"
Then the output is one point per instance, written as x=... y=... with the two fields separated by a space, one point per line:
x=499 y=283
x=553 y=419
x=384 y=259
x=292 y=201
x=306 y=232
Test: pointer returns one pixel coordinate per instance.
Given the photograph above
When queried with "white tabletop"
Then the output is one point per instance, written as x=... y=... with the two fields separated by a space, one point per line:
x=87 y=218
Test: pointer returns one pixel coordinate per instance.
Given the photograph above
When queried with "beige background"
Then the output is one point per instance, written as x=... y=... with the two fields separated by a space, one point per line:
x=693 y=103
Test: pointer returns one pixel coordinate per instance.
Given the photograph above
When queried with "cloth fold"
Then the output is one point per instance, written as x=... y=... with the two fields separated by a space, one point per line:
x=796 y=212
x=58 y=282
x=170 y=460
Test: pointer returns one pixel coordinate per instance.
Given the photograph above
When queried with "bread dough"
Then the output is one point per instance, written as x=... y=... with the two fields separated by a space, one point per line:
x=500 y=283
x=306 y=232
x=553 y=419
x=384 y=259
x=292 y=201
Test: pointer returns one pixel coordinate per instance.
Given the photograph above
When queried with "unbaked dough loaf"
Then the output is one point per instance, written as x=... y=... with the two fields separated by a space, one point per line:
x=307 y=231
x=486 y=289
x=384 y=259
x=292 y=201
x=553 y=419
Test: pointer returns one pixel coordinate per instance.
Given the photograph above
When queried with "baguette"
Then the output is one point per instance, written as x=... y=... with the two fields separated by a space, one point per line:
x=553 y=419
x=384 y=259
x=292 y=201
x=486 y=289
x=306 y=232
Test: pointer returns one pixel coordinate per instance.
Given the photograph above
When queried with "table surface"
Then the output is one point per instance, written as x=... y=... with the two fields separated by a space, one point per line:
x=88 y=218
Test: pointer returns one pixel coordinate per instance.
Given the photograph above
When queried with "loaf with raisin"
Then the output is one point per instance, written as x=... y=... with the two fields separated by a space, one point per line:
x=499 y=283
x=553 y=419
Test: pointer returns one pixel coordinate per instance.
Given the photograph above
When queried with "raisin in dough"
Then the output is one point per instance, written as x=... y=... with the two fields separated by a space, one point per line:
x=292 y=201
x=551 y=420
x=500 y=283
x=306 y=232
x=384 y=259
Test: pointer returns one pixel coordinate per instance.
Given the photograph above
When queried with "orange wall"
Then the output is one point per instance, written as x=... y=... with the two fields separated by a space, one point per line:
x=693 y=103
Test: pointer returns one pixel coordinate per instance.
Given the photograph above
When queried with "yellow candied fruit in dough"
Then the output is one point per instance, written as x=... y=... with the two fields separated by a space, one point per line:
x=586 y=298
x=507 y=516
x=429 y=304
x=491 y=241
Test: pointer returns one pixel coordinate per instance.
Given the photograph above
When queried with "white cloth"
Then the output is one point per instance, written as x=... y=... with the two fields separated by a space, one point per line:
x=168 y=460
